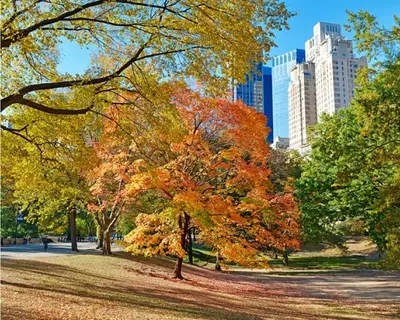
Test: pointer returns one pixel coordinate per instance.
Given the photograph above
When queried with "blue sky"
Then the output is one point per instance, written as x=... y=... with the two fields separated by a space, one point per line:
x=310 y=12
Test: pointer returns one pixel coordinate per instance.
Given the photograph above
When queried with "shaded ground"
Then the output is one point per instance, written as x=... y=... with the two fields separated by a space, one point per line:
x=126 y=287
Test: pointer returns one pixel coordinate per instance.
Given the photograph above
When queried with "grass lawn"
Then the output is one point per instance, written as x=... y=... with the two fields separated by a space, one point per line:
x=127 y=287
x=204 y=257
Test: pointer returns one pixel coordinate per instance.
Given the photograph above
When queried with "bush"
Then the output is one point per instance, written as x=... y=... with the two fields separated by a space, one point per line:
x=352 y=227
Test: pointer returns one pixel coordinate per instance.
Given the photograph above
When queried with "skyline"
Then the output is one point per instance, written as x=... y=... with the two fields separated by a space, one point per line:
x=301 y=26
x=286 y=40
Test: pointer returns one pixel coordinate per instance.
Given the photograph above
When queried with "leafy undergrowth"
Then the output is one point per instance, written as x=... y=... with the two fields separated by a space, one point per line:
x=127 y=287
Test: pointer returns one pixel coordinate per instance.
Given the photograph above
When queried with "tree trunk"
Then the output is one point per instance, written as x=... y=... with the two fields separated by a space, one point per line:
x=285 y=258
x=183 y=227
x=106 y=243
x=178 y=268
x=72 y=224
x=217 y=264
x=99 y=234
x=190 y=246
x=194 y=235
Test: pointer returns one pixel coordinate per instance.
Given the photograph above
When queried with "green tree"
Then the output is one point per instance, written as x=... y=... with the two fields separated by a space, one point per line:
x=337 y=181
x=43 y=172
x=354 y=167
x=285 y=168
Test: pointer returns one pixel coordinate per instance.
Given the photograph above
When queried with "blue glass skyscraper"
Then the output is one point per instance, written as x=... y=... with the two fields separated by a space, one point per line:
x=256 y=92
x=267 y=100
x=250 y=92
x=281 y=67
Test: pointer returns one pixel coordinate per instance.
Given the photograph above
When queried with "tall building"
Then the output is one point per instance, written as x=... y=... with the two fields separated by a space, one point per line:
x=267 y=100
x=302 y=105
x=256 y=92
x=281 y=67
x=335 y=67
x=251 y=92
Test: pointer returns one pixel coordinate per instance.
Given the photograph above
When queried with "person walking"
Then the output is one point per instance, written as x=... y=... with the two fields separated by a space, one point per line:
x=45 y=244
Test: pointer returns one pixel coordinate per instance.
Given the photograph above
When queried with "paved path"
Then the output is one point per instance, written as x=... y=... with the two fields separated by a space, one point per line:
x=35 y=250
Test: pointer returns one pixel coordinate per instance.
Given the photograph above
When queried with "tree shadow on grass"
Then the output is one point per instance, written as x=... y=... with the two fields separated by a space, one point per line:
x=198 y=298
x=160 y=302
x=137 y=295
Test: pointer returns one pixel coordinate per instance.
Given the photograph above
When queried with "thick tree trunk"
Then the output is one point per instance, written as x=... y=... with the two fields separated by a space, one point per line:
x=106 y=243
x=72 y=224
x=178 y=268
x=184 y=228
x=217 y=264
x=190 y=246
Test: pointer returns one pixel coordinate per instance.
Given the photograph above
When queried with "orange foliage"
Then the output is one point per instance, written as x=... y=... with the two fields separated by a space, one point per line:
x=216 y=179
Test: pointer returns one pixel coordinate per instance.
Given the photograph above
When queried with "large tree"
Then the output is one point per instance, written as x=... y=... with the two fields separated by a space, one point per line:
x=133 y=136
x=43 y=173
x=211 y=41
x=214 y=178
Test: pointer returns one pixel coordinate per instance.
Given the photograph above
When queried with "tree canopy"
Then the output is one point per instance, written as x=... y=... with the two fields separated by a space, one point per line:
x=211 y=41
x=214 y=178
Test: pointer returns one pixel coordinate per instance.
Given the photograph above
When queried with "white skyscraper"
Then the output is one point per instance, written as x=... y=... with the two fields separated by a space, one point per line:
x=302 y=105
x=335 y=67
x=324 y=84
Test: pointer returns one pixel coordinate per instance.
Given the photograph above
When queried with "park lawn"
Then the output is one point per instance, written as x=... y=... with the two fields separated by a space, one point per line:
x=204 y=257
x=321 y=262
x=127 y=287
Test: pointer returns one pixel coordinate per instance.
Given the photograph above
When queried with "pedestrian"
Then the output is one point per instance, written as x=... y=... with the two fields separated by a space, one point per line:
x=24 y=240
x=28 y=238
x=2 y=243
x=45 y=243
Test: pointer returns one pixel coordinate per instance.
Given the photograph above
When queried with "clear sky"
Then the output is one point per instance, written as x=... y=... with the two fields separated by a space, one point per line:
x=309 y=13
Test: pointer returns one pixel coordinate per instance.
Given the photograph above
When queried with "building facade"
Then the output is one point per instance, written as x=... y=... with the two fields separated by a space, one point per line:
x=280 y=143
x=335 y=67
x=302 y=105
x=281 y=68
x=251 y=92
x=256 y=92
x=267 y=101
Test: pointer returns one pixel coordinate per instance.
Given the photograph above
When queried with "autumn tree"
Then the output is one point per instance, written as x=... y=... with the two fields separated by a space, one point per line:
x=134 y=45
x=215 y=180
x=131 y=140
x=200 y=39
x=42 y=174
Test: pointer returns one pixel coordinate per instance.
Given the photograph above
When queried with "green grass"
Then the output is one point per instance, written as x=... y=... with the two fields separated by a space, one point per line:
x=345 y=262
x=204 y=257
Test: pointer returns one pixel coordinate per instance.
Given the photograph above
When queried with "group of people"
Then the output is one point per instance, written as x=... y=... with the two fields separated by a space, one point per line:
x=26 y=239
